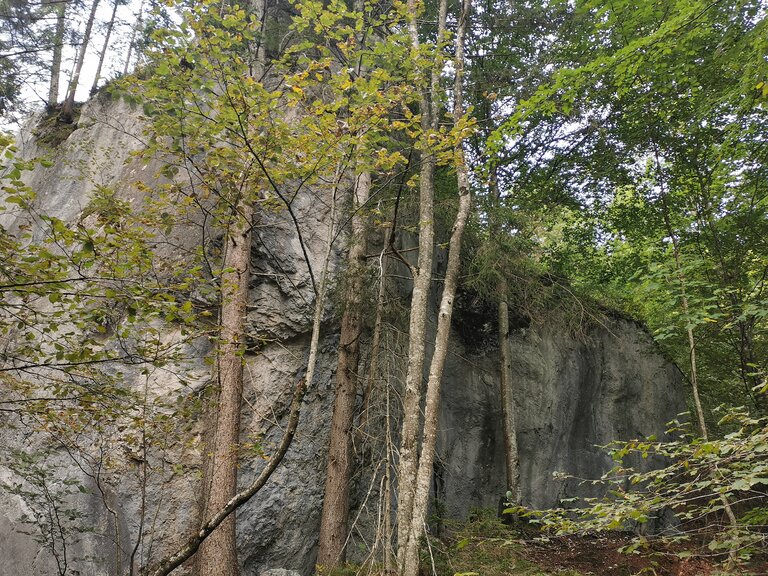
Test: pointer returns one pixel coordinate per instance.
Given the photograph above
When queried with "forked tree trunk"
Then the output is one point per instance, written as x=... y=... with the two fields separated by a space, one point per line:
x=422 y=279
x=103 y=54
x=67 y=110
x=58 y=48
x=333 y=521
x=218 y=554
x=410 y=561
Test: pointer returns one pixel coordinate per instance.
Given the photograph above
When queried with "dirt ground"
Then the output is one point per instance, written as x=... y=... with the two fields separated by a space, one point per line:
x=600 y=556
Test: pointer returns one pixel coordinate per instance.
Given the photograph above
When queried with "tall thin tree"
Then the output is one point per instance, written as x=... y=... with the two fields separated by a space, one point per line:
x=410 y=560
x=218 y=554
x=58 y=49
x=105 y=47
x=68 y=108
x=422 y=280
x=333 y=522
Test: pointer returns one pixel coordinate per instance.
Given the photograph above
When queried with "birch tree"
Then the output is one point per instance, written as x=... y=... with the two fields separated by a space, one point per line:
x=414 y=515
x=428 y=83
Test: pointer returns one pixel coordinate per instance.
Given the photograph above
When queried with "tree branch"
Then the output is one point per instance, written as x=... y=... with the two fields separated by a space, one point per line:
x=170 y=563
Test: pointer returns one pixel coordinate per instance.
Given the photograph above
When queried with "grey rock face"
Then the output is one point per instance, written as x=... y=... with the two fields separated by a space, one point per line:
x=571 y=395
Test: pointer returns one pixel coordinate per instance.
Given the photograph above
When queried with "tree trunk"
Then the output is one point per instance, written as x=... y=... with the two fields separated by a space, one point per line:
x=506 y=394
x=422 y=278
x=67 y=110
x=103 y=54
x=58 y=46
x=134 y=28
x=507 y=400
x=733 y=554
x=410 y=561
x=333 y=522
x=373 y=369
x=218 y=554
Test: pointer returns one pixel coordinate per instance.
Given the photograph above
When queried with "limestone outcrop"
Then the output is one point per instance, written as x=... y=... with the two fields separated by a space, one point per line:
x=572 y=395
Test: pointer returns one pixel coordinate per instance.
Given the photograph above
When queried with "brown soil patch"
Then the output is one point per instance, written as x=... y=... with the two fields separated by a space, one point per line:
x=599 y=556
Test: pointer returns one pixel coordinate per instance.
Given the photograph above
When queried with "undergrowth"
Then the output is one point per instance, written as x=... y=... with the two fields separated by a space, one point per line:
x=481 y=546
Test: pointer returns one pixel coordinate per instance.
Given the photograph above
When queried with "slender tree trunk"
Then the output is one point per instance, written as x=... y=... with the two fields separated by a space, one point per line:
x=373 y=369
x=683 y=303
x=218 y=554
x=132 y=40
x=333 y=521
x=422 y=277
x=103 y=54
x=506 y=394
x=410 y=561
x=507 y=399
x=67 y=110
x=388 y=560
x=58 y=46
x=691 y=342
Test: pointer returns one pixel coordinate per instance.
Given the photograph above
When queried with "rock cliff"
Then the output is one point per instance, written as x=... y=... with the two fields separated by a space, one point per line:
x=571 y=394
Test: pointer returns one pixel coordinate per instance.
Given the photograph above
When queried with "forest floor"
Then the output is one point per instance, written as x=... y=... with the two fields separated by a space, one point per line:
x=486 y=547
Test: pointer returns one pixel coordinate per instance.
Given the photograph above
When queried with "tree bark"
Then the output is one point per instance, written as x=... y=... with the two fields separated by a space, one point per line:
x=58 y=46
x=373 y=368
x=333 y=521
x=218 y=554
x=67 y=110
x=506 y=394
